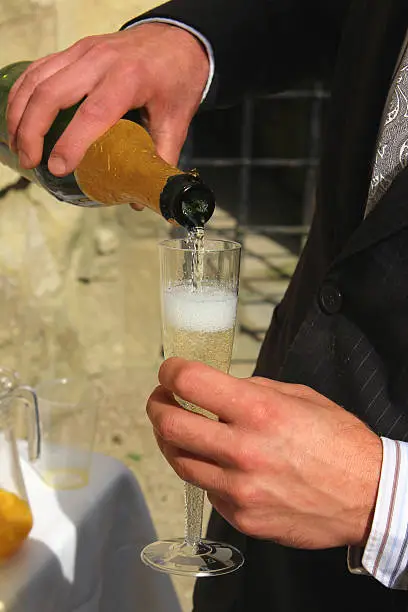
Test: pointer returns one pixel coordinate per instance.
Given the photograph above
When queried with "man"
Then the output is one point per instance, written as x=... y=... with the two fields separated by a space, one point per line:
x=292 y=470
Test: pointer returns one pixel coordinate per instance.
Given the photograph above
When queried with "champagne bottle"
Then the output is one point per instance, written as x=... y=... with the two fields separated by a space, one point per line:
x=121 y=167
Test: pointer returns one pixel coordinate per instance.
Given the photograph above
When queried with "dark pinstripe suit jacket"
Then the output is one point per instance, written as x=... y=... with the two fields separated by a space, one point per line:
x=342 y=327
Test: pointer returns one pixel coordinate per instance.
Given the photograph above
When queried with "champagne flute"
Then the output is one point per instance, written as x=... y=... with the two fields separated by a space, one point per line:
x=199 y=292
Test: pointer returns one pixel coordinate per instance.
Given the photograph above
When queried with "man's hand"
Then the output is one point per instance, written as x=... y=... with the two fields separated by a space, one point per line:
x=283 y=462
x=156 y=66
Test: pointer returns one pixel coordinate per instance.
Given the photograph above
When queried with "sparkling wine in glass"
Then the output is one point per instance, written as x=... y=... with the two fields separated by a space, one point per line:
x=199 y=293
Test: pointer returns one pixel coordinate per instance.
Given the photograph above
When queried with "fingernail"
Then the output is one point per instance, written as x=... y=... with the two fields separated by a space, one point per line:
x=136 y=206
x=57 y=165
x=24 y=160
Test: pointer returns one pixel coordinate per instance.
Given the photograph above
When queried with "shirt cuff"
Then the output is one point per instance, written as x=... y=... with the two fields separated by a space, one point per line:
x=204 y=41
x=385 y=556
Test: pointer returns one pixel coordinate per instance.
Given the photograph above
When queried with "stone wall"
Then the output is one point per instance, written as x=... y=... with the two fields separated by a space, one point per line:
x=78 y=287
x=32 y=28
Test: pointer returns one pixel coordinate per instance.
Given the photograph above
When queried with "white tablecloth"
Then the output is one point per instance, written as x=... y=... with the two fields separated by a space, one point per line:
x=83 y=554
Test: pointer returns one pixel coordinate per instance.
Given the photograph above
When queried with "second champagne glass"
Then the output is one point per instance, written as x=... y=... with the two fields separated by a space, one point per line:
x=198 y=320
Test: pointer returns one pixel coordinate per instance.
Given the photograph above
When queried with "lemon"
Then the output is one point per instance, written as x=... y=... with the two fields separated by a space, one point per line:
x=16 y=522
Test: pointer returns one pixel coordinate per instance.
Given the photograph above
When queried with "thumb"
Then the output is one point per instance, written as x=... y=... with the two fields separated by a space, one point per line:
x=169 y=136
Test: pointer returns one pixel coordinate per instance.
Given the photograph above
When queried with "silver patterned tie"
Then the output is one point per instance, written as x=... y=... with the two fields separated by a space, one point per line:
x=392 y=144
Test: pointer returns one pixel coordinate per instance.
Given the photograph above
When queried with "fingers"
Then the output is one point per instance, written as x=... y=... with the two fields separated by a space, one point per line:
x=100 y=110
x=38 y=72
x=90 y=68
x=196 y=471
x=233 y=400
x=190 y=432
x=52 y=95
x=169 y=135
x=115 y=72
x=94 y=117
x=33 y=67
x=223 y=506
x=22 y=89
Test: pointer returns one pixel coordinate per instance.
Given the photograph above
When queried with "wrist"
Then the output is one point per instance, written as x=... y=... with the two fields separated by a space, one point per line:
x=187 y=49
x=367 y=480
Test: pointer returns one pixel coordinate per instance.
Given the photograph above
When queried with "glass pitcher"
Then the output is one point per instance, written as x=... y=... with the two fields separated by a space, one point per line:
x=15 y=514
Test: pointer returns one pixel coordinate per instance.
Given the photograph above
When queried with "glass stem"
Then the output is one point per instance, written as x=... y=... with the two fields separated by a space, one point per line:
x=194 y=504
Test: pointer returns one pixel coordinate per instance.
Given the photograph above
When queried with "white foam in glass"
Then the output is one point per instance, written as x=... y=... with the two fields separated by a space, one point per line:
x=207 y=310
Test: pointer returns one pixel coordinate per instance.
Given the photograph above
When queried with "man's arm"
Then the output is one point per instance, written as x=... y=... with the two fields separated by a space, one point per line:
x=263 y=44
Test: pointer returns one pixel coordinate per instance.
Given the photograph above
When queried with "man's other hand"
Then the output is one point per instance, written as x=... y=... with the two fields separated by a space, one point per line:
x=282 y=463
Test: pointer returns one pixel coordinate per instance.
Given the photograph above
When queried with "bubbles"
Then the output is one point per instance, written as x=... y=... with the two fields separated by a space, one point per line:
x=211 y=309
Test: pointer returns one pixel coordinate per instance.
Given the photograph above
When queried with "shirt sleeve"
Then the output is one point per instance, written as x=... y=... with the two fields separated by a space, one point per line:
x=204 y=41
x=385 y=556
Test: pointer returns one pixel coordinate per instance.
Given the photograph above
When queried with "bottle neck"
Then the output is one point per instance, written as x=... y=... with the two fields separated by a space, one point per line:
x=187 y=200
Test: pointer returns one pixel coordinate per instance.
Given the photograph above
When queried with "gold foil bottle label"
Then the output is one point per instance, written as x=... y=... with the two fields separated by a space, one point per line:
x=122 y=167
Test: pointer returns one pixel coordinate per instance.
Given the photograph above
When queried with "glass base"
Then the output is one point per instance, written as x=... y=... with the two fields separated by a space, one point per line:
x=206 y=559
x=74 y=478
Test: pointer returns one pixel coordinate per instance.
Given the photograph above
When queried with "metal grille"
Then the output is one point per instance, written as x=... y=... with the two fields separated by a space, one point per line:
x=245 y=162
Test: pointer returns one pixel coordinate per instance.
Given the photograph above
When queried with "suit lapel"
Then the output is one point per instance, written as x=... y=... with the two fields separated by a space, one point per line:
x=388 y=217
x=370 y=47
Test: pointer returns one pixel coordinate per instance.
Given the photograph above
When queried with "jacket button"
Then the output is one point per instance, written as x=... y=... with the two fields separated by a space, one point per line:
x=330 y=298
